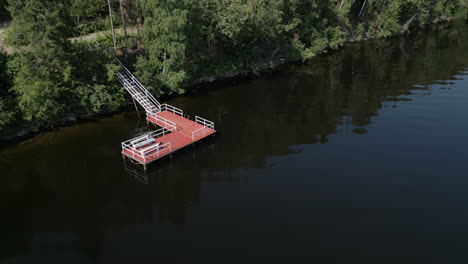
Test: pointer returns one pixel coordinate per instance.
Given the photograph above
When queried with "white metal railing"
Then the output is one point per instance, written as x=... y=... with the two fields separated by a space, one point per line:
x=153 y=150
x=204 y=122
x=127 y=76
x=200 y=132
x=142 y=97
x=173 y=109
x=167 y=123
x=153 y=134
x=133 y=82
x=207 y=127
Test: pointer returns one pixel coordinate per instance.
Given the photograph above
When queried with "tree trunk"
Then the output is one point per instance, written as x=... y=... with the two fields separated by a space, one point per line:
x=124 y=30
x=362 y=8
x=405 y=27
x=112 y=25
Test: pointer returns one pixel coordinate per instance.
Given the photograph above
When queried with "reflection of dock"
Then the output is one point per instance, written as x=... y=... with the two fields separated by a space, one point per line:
x=176 y=131
x=136 y=173
x=166 y=196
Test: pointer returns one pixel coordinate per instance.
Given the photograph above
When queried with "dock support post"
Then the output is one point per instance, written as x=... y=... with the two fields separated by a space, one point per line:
x=136 y=107
x=193 y=150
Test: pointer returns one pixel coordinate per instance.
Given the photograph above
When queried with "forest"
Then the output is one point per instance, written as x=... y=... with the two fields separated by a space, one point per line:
x=56 y=71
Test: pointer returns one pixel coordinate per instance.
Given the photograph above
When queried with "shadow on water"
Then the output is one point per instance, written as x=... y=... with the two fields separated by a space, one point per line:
x=67 y=195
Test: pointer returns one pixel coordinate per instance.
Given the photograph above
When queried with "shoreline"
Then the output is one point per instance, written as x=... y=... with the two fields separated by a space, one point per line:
x=22 y=134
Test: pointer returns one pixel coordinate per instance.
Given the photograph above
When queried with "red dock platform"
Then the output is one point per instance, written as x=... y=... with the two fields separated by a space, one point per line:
x=176 y=132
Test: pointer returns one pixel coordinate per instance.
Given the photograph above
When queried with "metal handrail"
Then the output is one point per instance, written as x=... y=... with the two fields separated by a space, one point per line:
x=207 y=124
x=200 y=131
x=144 y=155
x=137 y=83
x=156 y=149
x=167 y=123
x=134 y=92
x=134 y=152
x=148 y=94
x=204 y=122
x=153 y=134
x=173 y=109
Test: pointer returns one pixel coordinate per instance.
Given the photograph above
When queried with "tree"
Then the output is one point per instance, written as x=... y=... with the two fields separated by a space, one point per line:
x=94 y=82
x=188 y=38
x=42 y=81
x=42 y=70
x=39 y=21
x=53 y=77
x=82 y=10
x=165 y=38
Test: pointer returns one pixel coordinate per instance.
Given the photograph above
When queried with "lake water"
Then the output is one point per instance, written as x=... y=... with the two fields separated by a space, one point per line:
x=358 y=156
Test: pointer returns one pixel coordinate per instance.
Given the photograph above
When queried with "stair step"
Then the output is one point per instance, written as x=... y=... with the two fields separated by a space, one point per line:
x=139 y=93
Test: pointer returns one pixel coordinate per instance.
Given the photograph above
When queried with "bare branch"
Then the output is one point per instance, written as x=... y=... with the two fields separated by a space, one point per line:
x=362 y=8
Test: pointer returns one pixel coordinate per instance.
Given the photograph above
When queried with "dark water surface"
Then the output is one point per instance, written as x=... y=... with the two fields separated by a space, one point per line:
x=361 y=155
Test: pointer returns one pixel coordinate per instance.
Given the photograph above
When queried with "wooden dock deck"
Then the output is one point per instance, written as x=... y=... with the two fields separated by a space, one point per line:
x=176 y=132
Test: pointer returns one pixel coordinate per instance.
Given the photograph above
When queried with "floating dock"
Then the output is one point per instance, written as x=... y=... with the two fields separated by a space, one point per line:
x=176 y=130
x=176 y=133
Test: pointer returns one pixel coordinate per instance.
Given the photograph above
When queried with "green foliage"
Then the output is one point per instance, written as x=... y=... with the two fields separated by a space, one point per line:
x=462 y=11
x=95 y=83
x=184 y=40
x=91 y=26
x=166 y=34
x=53 y=77
x=189 y=38
x=82 y=10
x=52 y=84
x=79 y=17
x=385 y=18
x=42 y=81
x=37 y=21
x=42 y=72
x=91 y=16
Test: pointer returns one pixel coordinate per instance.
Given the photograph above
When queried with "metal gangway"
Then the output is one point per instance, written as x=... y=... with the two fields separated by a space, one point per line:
x=137 y=90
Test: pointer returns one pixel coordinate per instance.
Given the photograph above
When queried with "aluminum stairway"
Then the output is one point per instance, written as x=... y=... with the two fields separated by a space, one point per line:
x=137 y=90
